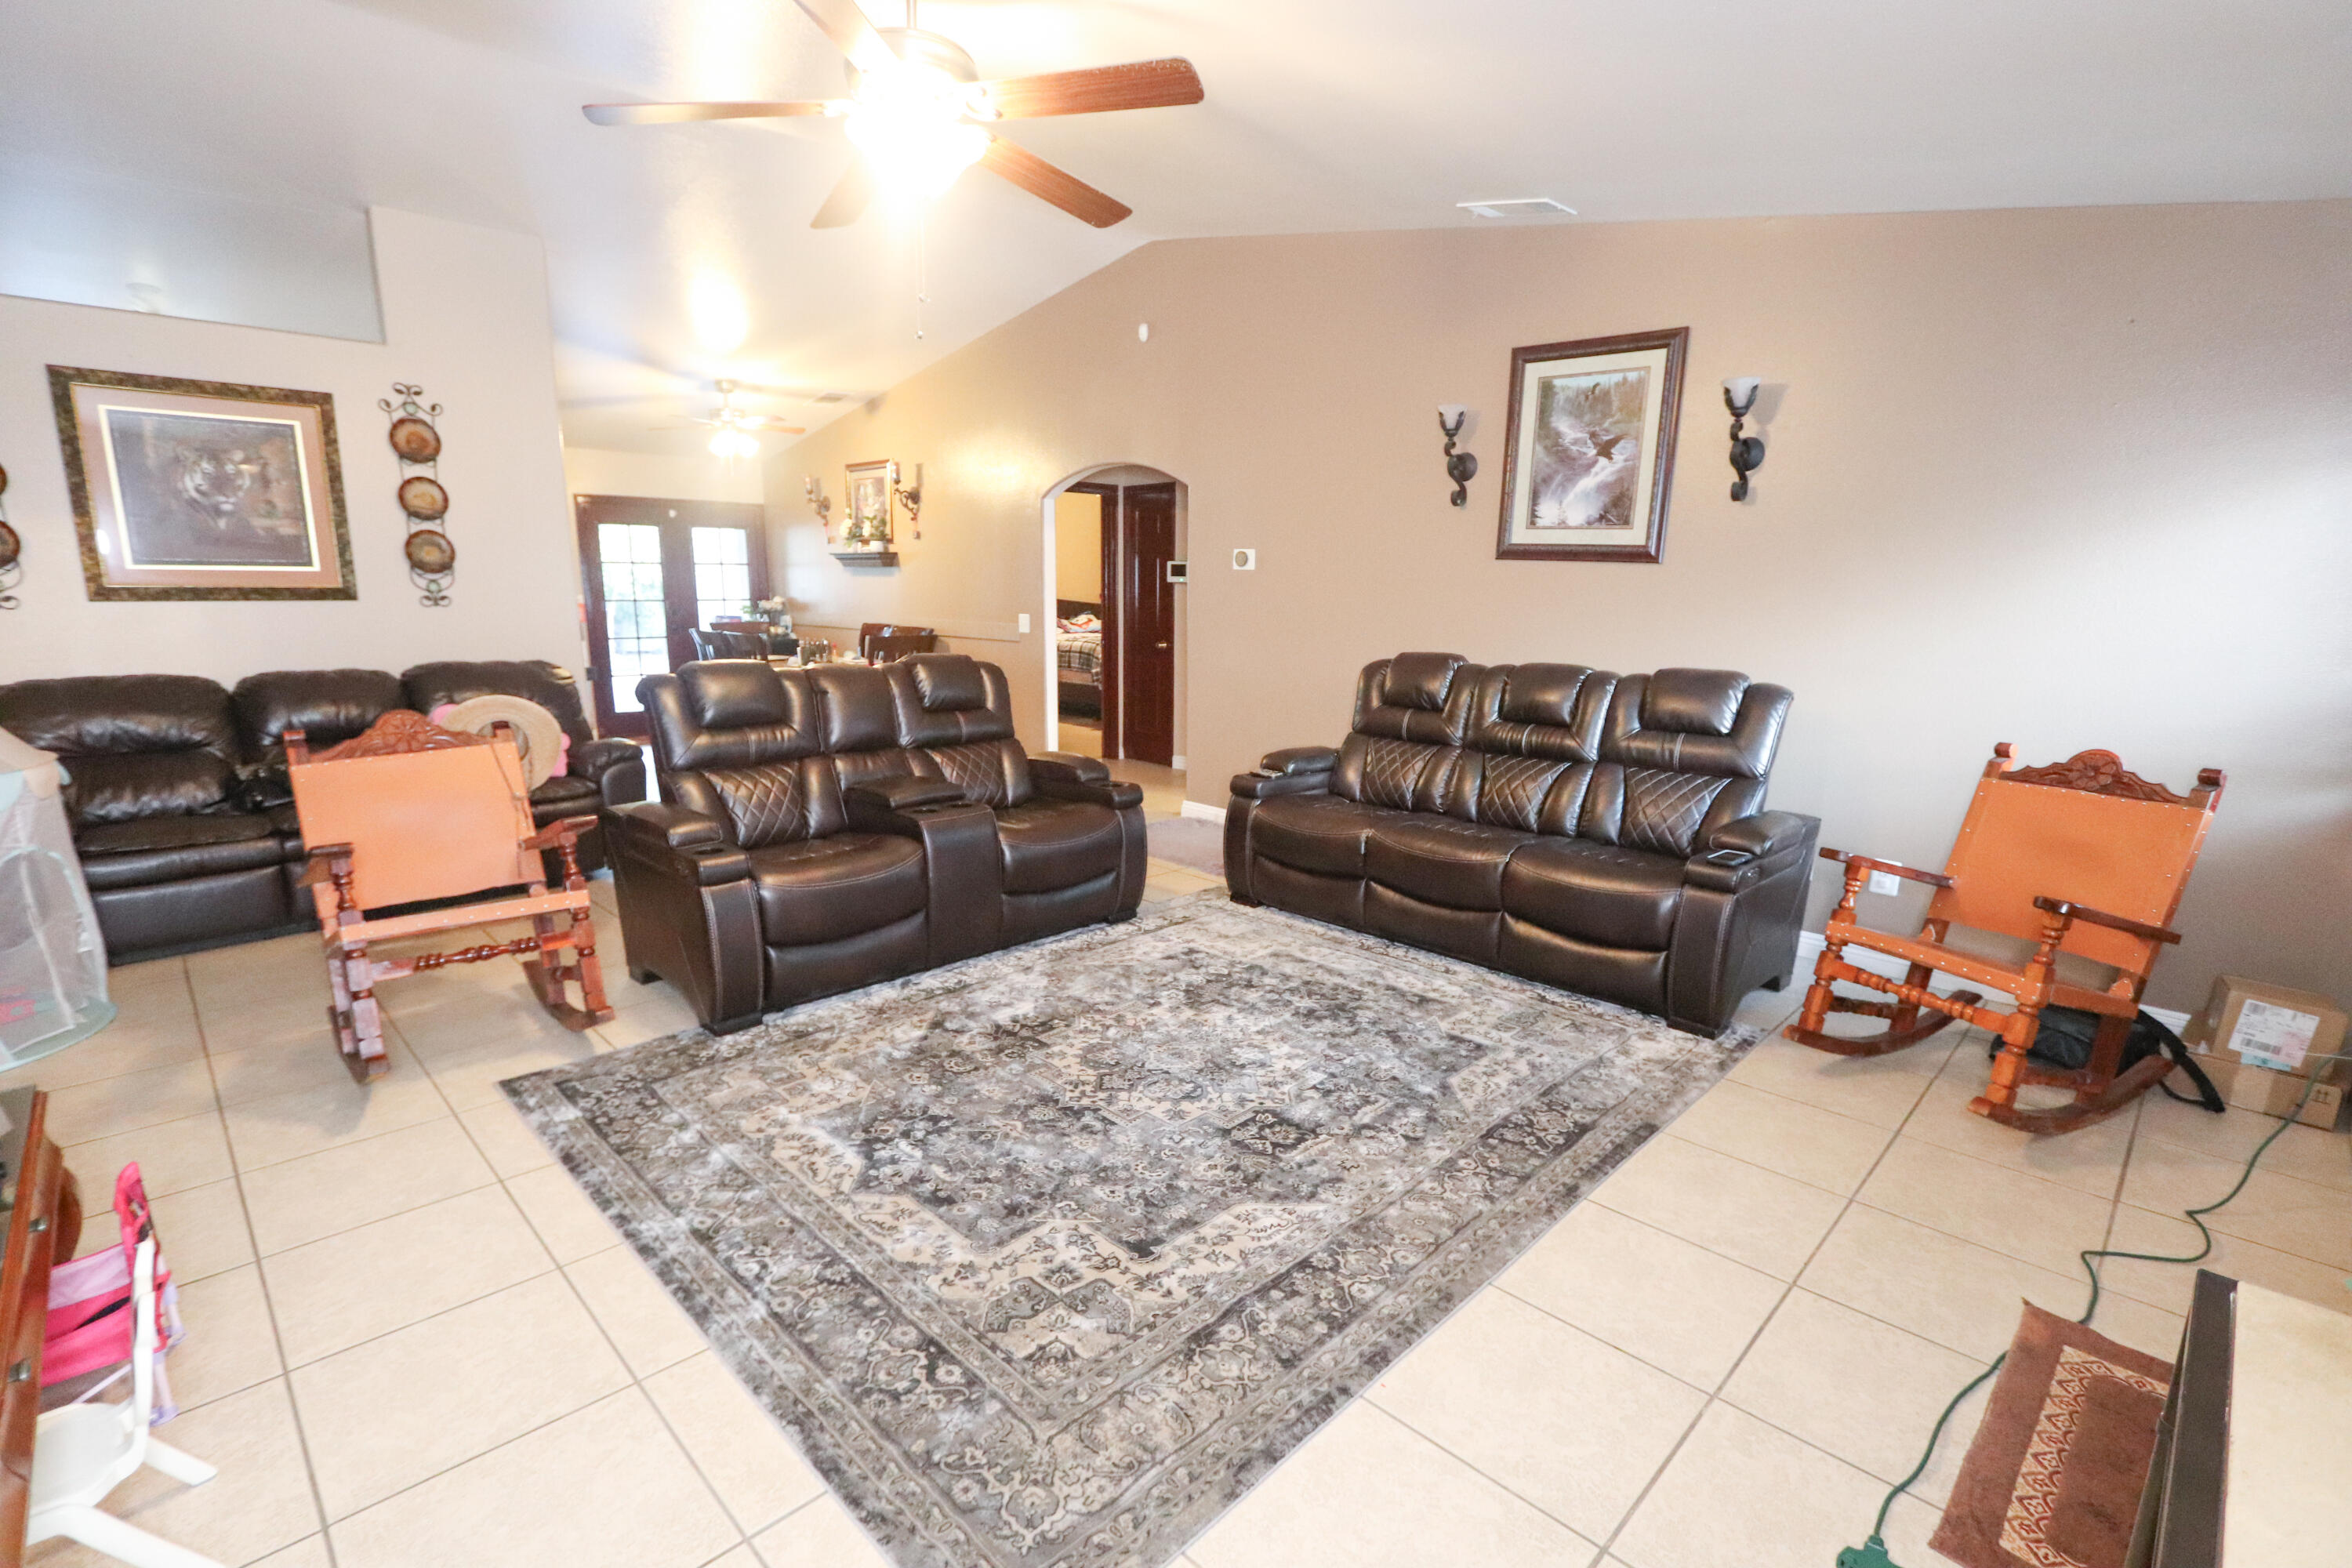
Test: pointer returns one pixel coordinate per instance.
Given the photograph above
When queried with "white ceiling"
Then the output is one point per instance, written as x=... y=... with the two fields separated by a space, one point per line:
x=666 y=244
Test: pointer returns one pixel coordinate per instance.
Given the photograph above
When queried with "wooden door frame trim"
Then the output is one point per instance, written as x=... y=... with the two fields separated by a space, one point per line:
x=1126 y=549
x=1107 y=549
x=592 y=586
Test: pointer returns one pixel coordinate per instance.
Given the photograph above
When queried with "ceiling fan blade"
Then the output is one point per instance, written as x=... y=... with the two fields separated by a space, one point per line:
x=1145 y=84
x=849 y=199
x=1043 y=180
x=671 y=114
x=851 y=33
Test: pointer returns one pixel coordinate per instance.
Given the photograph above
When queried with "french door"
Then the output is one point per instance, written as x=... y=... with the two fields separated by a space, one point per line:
x=651 y=572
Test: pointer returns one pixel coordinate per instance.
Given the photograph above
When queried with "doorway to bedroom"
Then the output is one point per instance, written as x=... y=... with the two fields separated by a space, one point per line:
x=1115 y=551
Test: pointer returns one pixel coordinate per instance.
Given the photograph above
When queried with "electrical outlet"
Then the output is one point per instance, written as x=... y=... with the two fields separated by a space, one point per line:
x=1245 y=559
x=1886 y=883
x=1025 y=623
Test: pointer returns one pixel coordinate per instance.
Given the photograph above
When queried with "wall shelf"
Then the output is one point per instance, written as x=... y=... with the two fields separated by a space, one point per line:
x=866 y=557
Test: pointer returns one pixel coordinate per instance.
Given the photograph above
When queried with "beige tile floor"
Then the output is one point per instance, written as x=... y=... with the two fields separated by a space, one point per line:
x=414 y=1344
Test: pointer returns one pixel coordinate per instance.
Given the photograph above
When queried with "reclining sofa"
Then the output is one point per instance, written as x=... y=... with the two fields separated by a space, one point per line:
x=1604 y=834
x=177 y=791
x=823 y=829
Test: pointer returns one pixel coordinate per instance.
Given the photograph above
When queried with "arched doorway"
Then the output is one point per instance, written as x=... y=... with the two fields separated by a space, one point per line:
x=1115 y=537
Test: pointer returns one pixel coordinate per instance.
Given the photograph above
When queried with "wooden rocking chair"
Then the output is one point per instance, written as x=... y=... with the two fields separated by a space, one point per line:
x=412 y=829
x=2080 y=857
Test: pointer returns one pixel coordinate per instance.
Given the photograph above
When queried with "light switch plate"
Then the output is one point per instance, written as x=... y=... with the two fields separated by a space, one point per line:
x=1885 y=882
x=1025 y=623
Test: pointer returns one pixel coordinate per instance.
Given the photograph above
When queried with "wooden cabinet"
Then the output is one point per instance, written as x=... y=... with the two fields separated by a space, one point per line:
x=44 y=1225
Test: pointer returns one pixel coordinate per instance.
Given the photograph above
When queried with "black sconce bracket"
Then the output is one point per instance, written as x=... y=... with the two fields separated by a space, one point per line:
x=1460 y=467
x=1747 y=451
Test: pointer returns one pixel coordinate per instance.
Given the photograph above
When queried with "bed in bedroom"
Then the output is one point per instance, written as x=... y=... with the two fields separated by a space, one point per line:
x=1078 y=642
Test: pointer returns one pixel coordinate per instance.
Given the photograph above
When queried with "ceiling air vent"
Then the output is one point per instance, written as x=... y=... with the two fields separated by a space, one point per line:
x=829 y=397
x=1518 y=206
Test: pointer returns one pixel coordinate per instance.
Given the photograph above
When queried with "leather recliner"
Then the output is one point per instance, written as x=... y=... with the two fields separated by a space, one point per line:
x=180 y=854
x=827 y=828
x=1599 y=833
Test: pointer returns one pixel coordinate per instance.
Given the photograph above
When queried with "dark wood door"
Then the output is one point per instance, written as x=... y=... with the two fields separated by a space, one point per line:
x=652 y=571
x=1146 y=618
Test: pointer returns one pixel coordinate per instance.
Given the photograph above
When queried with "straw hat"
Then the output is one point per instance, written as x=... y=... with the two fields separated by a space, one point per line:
x=537 y=736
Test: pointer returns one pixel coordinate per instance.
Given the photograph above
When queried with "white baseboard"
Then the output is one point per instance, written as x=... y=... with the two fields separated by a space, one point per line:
x=1215 y=813
x=1176 y=762
x=1808 y=951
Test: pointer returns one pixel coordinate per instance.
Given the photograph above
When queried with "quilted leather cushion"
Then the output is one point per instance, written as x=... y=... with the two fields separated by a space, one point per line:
x=766 y=804
x=1442 y=860
x=1664 y=810
x=174 y=848
x=1050 y=844
x=1596 y=892
x=821 y=890
x=1319 y=833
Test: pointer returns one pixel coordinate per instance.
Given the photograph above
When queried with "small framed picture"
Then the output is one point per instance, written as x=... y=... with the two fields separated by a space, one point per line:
x=869 y=500
x=203 y=489
x=1590 y=453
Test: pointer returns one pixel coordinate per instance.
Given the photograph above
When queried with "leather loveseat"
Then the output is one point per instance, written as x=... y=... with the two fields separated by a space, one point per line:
x=177 y=789
x=827 y=829
x=1599 y=833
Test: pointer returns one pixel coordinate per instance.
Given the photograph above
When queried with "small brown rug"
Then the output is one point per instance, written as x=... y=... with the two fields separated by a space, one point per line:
x=2053 y=1478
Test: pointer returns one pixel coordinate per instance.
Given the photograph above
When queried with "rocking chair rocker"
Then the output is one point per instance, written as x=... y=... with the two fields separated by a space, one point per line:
x=411 y=829
x=2081 y=857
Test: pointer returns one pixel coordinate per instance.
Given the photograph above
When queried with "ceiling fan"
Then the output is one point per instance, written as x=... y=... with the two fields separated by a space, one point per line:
x=919 y=112
x=732 y=428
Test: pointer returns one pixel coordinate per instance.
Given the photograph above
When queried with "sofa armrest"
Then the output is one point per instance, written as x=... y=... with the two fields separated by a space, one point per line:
x=1294 y=761
x=1742 y=853
x=1765 y=834
x=689 y=844
x=1119 y=795
x=1068 y=767
x=903 y=791
x=1265 y=786
x=616 y=766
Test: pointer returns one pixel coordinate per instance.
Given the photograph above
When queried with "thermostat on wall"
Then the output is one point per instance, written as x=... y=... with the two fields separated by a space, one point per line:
x=1245 y=559
x=1177 y=572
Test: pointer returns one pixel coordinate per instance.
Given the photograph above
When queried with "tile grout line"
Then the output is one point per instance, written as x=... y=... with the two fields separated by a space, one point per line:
x=1467 y=1463
x=1715 y=1395
x=284 y=1377
x=638 y=1383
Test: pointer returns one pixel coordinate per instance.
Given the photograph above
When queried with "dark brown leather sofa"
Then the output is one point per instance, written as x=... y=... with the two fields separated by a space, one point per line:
x=1603 y=833
x=177 y=789
x=823 y=829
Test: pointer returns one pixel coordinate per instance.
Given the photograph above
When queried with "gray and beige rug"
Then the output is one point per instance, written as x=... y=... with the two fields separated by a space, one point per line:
x=1047 y=1258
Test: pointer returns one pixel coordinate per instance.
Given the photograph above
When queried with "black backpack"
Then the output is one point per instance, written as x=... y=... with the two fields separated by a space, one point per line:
x=2063 y=1041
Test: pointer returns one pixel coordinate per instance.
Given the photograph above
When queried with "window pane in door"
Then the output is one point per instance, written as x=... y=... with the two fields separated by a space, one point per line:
x=636 y=642
x=722 y=573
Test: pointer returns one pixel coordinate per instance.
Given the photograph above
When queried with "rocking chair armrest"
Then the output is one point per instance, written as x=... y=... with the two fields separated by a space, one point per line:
x=562 y=830
x=1864 y=863
x=2140 y=929
x=321 y=864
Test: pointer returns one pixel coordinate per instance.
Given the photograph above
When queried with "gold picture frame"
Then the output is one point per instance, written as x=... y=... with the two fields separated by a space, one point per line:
x=203 y=489
x=1589 y=453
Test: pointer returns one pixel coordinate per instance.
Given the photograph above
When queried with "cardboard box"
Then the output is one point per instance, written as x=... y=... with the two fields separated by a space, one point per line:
x=2262 y=1044
x=2276 y=1093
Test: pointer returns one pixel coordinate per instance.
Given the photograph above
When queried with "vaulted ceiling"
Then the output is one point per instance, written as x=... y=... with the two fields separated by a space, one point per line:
x=680 y=254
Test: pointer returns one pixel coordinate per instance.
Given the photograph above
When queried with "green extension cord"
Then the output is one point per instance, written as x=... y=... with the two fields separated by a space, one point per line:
x=1871 y=1553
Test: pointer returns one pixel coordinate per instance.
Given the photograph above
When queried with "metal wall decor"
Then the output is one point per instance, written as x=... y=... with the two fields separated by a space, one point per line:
x=12 y=552
x=431 y=559
x=912 y=500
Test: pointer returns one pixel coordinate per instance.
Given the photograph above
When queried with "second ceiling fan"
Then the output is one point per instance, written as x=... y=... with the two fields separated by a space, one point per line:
x=919 y=113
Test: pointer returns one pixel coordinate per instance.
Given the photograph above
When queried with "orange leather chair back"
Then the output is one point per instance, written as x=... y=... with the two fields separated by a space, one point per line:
x=434 y=823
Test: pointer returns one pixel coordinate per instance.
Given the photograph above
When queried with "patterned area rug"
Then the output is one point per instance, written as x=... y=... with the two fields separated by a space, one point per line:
x=2053 y=1476
x=1048 y=1257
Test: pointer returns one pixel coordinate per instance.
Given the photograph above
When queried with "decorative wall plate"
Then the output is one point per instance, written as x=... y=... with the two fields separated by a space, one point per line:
x=430 y=552
x=11 y=547
x=422 y=497
x=415 y=440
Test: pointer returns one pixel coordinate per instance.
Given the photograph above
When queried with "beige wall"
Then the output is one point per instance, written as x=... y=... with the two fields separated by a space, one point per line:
x=465 y=315
x=2069 y=479
x=1077 y=546
x=599 y=471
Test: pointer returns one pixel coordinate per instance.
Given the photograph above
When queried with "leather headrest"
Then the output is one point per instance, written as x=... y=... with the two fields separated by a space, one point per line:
x=733 y=694
x=328 y=706
x=461 y=680
x=1421 y=680
x=1693 y=701
x=948 y=682
x=859 y=715
x=90 y=715
x=1542 y=693
x=1552 y=710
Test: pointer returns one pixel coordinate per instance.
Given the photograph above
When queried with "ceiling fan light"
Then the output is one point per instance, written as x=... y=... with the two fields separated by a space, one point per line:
x=729 y=442
x=916 y=155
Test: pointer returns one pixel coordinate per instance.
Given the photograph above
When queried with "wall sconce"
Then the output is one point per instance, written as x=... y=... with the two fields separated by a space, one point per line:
x=1460 y=467
x=1747 y=451
x=819 y=503
x=912 y=500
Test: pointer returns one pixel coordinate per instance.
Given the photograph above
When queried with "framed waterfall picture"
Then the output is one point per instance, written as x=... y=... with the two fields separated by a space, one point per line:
x=201 y=490
x=1590 y=453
